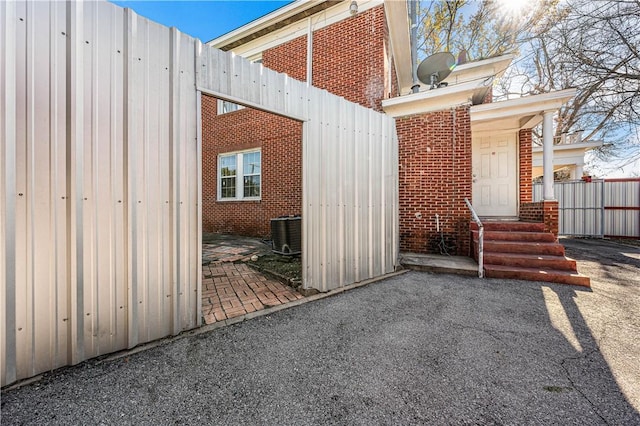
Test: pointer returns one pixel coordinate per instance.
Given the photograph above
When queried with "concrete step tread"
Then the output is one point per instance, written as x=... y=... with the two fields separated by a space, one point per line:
x=540 y=261
x=516 y=236
x=537 y=274
x=529 y=256
x=510 y=226
x=499 y=243
x=526 y=247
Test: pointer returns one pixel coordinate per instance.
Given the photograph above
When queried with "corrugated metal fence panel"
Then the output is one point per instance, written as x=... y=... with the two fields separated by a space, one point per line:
x=350 y=201
x=597 y=208
x=622 y=207
x=8 y=131
x=100 y=179
x=232 y=77
x=579 y=206
x=99 y=183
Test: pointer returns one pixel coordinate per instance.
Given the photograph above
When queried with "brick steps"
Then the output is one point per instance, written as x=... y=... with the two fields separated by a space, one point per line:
x=530 y=261
x=522 y=250
x=540 y=237
x=524 y=247
x=536 y=274
x=510 y=226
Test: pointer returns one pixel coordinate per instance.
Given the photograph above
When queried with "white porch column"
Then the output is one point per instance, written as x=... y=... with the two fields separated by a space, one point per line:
x=547 y=156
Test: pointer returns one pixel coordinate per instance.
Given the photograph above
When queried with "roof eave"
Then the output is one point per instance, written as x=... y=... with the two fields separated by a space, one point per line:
x=397 y=15
x=267 y=22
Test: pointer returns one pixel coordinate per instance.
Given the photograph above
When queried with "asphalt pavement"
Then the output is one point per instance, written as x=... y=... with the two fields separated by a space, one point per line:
x=418 y=348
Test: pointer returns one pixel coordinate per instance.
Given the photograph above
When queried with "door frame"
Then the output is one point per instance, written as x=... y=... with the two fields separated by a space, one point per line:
x=516 y=133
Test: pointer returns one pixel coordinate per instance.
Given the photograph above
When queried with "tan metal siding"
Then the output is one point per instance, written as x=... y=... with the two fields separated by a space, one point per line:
x=350 y=204
x=608 y=207
x=99 y=183
x=622 y=207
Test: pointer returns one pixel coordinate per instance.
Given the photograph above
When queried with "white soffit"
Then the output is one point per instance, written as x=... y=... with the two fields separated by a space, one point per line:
x=434 y=100
x=466 y=81
x=480 y=69
x=328 y=13
x=277 y=15
x=516 y=114
x=397 y=16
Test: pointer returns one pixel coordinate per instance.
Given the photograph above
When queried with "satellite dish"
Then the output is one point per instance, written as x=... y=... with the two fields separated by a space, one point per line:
x=436 y=68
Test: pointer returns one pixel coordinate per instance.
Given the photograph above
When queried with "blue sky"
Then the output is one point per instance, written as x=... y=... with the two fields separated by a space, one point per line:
x=205 y=20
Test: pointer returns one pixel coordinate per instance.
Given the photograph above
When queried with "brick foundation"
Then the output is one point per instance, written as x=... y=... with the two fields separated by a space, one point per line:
x=541 y=211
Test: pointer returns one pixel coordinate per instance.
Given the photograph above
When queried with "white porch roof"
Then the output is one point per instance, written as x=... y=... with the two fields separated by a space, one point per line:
x=516 y=114
x=569 y=155
x=468 y=84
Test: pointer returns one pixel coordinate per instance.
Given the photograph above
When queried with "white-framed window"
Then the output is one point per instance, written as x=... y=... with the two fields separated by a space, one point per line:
x=226 y=106
x=239 y=175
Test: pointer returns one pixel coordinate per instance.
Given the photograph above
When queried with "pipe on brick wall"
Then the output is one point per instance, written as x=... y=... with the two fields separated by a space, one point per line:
x=413 y=19
x=309 y=53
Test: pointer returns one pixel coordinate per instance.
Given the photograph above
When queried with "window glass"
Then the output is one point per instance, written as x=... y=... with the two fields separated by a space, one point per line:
x=251 y=186
x=228 y=176
x=251 y=169
x=251 y=162
x=239 y=175
x=226 y=106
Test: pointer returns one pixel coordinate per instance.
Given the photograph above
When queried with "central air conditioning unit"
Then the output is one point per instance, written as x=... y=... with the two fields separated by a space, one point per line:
x=286 y=235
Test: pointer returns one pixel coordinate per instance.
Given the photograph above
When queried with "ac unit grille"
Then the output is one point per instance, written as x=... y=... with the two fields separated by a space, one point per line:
x=286 y=235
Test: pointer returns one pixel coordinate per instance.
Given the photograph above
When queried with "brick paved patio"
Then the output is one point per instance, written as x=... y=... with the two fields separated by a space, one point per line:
x=233 y=289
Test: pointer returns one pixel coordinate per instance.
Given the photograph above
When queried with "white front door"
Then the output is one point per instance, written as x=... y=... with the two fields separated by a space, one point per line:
x=495 y=175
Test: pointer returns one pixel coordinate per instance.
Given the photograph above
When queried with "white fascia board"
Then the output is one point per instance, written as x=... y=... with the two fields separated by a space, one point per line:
x=397 y=14
x=320 y=20
x=263 y=22
x=525 y=106
x=471 y=71
x=433 y=100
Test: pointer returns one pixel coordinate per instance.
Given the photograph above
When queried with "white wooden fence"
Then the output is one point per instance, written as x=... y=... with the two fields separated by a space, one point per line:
x=600 y=208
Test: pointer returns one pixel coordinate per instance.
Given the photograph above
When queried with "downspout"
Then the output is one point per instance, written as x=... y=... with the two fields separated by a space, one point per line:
x=309 y=53
x=413 y=20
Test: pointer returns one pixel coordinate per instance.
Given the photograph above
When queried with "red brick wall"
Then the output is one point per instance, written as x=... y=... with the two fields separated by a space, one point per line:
x=434 y=177
x=289 y=58
x=531 y=212
x=348 y=60
x=281 y=142
x=525 y=154
x=551 y=217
